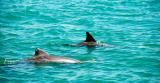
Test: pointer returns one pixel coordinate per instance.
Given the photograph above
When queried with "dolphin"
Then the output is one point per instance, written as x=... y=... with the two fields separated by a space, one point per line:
x=90 y=41
x=41 y=56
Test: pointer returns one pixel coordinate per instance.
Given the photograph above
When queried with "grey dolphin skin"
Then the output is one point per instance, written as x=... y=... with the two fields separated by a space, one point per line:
x=41 y=56
x=90 y=41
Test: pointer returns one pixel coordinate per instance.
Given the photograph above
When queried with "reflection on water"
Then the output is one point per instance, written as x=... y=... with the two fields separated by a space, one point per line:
x=90 y=49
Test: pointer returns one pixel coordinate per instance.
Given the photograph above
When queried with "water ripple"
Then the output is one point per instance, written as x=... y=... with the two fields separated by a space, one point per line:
x=132 y=27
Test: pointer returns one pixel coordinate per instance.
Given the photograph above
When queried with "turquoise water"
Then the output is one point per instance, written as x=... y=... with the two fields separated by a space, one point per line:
x=133 y=27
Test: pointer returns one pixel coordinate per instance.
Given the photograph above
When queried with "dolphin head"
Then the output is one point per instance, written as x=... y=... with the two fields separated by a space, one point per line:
x=39 y=52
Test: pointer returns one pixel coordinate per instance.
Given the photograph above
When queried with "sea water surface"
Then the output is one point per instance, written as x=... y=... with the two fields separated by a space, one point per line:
x=131 y=26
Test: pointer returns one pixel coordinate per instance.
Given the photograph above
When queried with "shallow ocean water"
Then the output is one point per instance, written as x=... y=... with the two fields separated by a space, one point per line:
x=132 y=27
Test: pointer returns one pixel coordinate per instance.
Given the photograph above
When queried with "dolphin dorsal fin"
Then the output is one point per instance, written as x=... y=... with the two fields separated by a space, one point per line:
x=89 y=38
x=39 y=52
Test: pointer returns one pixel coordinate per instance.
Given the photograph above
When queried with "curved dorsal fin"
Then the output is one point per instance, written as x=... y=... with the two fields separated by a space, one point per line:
x=89 y=38
x=39 y=52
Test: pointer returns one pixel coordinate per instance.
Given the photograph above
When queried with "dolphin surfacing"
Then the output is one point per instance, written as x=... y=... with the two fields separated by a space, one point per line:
x=41 y=56
x=90 y=41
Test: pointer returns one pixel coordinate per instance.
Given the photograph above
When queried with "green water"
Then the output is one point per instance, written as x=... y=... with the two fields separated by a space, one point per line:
x=132 y=26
